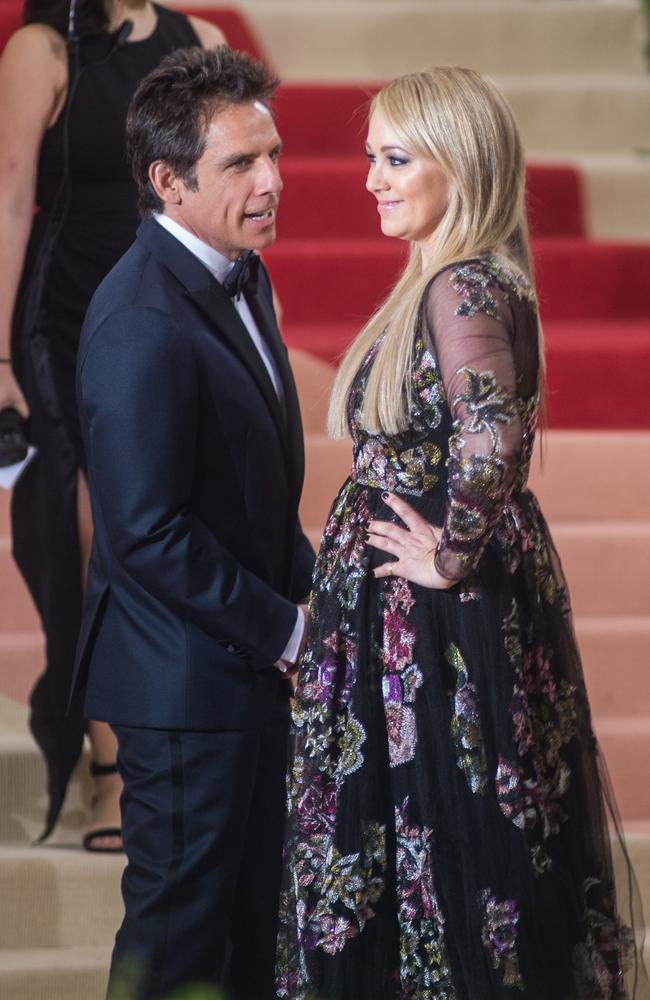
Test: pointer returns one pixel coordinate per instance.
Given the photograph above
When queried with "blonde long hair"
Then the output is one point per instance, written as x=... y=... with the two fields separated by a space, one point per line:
x=461 y=120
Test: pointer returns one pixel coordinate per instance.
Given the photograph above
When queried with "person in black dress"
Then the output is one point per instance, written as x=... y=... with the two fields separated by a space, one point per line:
x=62 y=147
x=447 y=829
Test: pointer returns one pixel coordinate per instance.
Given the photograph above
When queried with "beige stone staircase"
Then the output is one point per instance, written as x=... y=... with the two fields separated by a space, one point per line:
x=574 y=73
x=573 y=70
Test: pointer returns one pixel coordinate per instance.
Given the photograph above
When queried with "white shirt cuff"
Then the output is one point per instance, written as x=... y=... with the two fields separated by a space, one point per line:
x=292 y=648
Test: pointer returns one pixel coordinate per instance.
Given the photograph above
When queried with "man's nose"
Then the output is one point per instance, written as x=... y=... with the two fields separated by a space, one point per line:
x=269 y=179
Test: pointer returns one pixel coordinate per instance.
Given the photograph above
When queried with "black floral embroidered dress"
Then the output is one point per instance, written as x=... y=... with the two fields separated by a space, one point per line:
x=446 y=832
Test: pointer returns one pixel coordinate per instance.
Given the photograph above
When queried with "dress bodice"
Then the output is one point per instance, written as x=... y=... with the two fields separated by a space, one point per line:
x=473 y=410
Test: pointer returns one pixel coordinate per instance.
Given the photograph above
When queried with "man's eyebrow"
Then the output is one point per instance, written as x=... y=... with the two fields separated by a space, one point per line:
x=234 y=158
x=230 y=161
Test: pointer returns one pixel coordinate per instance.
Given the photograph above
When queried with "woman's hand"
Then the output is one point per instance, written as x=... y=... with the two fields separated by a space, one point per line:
x=415 y=546
x=10 y=394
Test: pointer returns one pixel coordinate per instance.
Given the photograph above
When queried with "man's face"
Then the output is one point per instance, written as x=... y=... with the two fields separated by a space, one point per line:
x=234 y=207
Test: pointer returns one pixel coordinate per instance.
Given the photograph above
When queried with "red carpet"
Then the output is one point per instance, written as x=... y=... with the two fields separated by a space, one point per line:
x=332 y=267
x=344 y=279
x=325 y=196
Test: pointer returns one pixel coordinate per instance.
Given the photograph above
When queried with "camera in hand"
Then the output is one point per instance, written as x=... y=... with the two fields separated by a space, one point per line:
x=13 y=438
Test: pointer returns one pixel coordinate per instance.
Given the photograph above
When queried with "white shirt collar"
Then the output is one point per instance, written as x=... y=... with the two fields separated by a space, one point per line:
x=216 y=263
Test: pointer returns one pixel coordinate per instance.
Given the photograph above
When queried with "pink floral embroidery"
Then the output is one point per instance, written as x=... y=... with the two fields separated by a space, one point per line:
x=401 y=677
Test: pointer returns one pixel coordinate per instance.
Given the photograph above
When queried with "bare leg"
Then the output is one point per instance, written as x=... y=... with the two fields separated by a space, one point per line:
x=108 y=787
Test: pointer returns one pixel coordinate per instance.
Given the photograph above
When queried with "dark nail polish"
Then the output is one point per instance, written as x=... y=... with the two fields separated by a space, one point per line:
x=385 y=495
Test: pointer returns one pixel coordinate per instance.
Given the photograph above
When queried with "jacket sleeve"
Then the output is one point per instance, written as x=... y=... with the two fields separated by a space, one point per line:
x=303 y=565
x=138 y=391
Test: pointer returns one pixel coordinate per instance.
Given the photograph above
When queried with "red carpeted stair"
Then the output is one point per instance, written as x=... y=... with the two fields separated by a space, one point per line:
x=332 y=266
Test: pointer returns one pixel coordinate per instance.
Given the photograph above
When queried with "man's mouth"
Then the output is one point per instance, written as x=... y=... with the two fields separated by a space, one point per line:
x=261 y=216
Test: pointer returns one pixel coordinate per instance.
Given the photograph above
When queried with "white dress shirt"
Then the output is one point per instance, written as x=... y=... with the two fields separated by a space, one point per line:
x=219 y=266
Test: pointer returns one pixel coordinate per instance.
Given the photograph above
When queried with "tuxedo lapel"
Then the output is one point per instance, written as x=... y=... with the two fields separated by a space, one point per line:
x=264 y=315
x=219 y=309
x=208 y=295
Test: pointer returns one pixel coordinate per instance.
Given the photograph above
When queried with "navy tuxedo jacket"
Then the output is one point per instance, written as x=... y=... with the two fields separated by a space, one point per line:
x=195 y=472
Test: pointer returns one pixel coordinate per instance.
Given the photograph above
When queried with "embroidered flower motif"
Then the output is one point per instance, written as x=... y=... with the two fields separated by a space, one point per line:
x=429 y=387
x=335 y=932
x=477 y=283
x=408 y=463
x=342 y=560
x=352 y=738
x=499 y=936
x=466 y=725
x=601 y=960
x=317 y=806
x=424 y=969
x=543 y=712
x=401 y=676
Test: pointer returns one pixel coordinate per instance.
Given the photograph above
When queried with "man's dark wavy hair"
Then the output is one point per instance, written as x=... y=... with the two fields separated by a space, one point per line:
x=172 y=108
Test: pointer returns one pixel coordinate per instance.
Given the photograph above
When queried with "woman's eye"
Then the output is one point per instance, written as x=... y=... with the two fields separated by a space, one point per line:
x=370 y=158
x=395 y=161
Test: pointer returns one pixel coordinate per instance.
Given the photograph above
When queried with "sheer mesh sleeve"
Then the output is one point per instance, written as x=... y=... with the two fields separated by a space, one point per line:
x=470 y=327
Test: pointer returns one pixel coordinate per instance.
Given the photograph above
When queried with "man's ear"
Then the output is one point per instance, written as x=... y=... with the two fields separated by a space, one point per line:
x=165 y=182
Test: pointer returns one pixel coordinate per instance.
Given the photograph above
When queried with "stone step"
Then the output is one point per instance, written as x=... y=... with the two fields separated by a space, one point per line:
x=17 y=612
x=21 y=661
x=625 y=745
x=51 y=895
x=602 y=196
x=616 y=193
x=592 y=475
x=565 y=113
x=557 y=115
x=357 y=40
x=614 y=654
x=622 y=641
x=54 y=973
x=569 y=482
x=72 y=973
x=625 y=740
x=22 y=792
x=588 y=286
x=607 y=566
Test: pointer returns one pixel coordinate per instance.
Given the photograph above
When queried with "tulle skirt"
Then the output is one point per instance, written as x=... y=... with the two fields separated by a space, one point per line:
x=447 y=834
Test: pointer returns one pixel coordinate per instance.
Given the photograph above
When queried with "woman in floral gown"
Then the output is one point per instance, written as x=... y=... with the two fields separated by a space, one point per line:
x=447 y=831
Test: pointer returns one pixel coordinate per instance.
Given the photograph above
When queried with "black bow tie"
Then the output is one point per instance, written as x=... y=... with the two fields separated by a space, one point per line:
x=243 y=276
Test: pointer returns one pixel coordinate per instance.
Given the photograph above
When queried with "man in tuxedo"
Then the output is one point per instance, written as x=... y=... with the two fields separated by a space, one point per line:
x=192 y=617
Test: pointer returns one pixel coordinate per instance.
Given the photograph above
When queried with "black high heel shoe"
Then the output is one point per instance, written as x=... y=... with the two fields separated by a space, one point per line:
x=94 y=834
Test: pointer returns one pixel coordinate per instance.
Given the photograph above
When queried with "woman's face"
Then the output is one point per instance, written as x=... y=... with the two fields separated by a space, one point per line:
x=412 y=191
